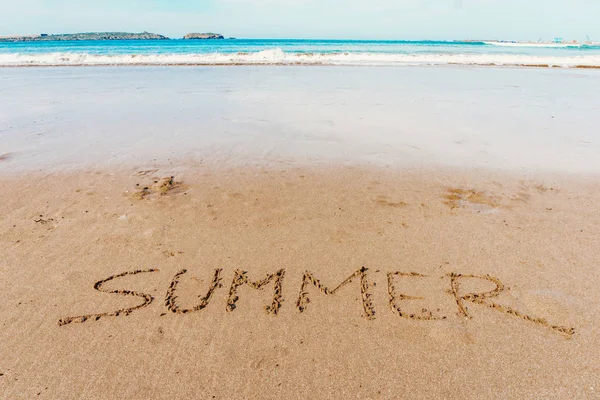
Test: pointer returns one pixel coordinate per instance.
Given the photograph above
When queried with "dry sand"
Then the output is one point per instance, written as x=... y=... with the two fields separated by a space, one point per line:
x=520 y=321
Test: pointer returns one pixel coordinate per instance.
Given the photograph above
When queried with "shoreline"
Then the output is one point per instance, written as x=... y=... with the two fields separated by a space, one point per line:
x=301 y=64
x=507 y=119
x=187 y=165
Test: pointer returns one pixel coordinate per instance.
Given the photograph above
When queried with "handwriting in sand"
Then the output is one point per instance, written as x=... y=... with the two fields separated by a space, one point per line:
x=309 y=279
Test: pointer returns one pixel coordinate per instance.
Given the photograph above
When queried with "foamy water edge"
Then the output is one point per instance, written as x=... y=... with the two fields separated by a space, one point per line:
x=279 y=57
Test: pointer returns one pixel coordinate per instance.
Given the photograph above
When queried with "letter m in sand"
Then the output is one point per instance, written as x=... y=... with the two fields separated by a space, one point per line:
x=309 y=278
x=241 y=278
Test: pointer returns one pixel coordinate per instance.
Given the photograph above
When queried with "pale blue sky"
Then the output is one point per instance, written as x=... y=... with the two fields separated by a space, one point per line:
x=355 y=19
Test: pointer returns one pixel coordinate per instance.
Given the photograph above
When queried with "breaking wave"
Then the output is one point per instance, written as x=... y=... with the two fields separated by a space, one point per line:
x=540 y=45
x=279 y=57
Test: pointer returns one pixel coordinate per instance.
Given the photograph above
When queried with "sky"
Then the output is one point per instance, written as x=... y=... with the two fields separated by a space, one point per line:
x=333 y=19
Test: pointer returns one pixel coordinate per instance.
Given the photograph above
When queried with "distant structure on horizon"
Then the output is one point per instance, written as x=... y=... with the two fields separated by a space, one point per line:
x=203 y=36
x=84 y=36
x=105 y=36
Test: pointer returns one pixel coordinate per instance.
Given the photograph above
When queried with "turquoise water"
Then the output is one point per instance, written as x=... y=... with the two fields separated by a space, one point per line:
x=272 y=51
x=228 y=46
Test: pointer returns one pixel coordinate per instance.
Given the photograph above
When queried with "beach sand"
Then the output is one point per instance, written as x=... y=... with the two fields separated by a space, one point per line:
x=464 y=283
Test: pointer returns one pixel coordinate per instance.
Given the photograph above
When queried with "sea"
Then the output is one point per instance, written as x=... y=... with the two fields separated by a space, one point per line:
x=88 y=104
x=298 y=52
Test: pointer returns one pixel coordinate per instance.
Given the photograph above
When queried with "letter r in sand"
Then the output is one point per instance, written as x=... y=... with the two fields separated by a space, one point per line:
x=482 y=299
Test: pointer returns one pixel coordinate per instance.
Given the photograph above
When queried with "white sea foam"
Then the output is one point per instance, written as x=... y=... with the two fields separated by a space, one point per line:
x=279 y=57
x=534 y=44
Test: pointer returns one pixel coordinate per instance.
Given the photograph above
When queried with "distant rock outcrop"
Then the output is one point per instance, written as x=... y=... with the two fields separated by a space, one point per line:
x=85 y=36
x=208 y=35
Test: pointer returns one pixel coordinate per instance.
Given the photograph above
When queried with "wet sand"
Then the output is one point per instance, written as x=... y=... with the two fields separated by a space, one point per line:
x=197 y=281
x=496 y=118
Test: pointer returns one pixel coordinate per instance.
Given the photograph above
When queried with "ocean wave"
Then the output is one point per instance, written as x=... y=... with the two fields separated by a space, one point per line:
x=279 y=57
x=535 y=44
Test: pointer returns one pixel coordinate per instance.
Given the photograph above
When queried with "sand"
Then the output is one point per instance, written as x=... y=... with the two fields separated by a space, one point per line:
x=299 y=282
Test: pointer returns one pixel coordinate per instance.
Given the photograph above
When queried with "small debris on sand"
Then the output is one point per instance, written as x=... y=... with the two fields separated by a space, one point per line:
x=161 y=187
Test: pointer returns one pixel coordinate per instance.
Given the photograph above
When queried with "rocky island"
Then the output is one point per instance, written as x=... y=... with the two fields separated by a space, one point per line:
x=208 y=35
x=85 y=36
